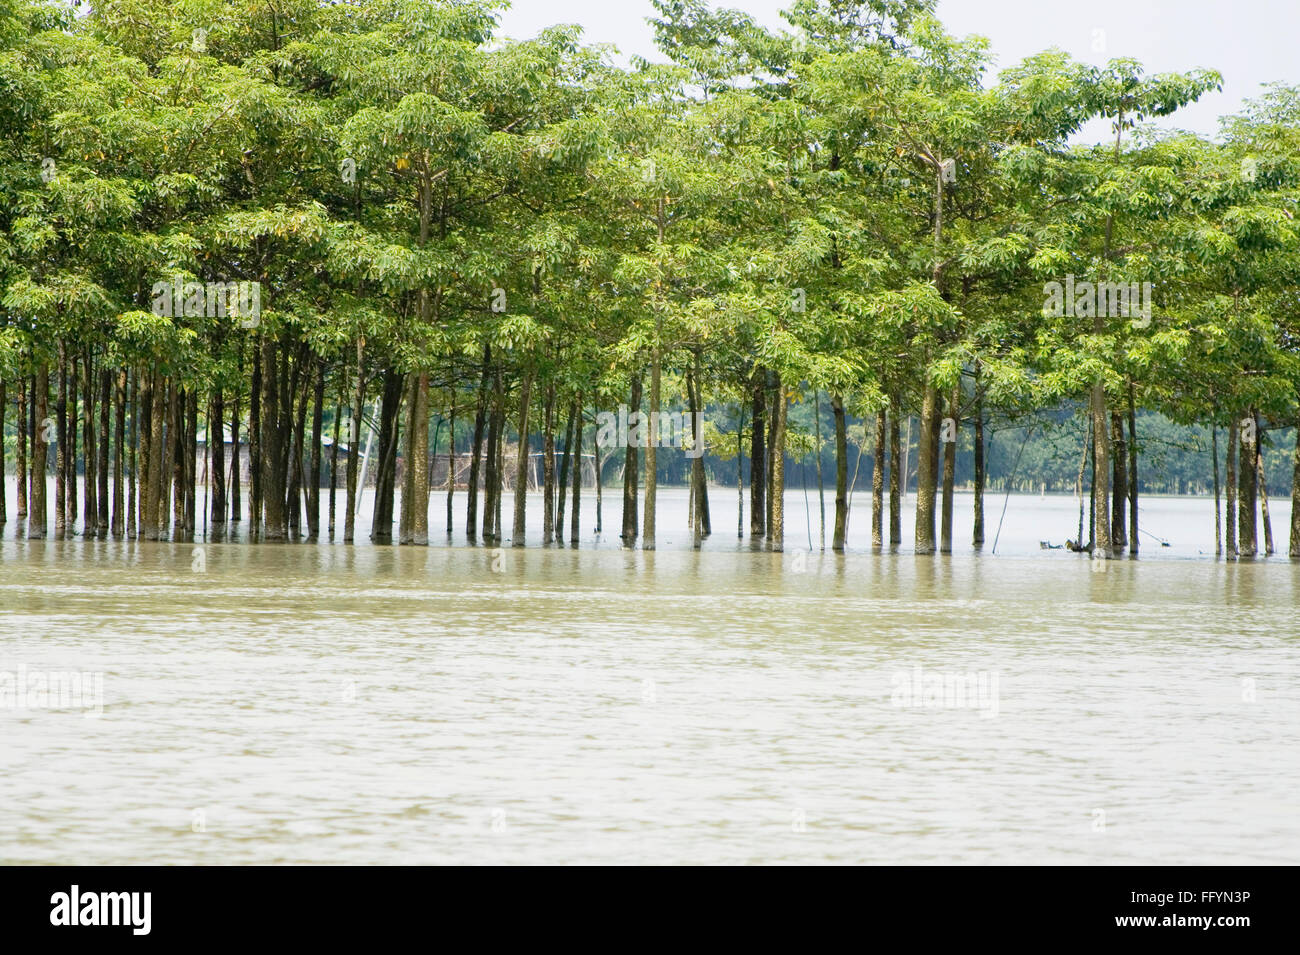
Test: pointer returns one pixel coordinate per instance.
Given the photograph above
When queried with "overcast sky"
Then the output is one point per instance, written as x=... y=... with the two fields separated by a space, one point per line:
x=1250 y=42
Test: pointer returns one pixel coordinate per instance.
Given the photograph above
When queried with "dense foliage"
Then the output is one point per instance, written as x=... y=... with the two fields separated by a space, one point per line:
x=319 y=226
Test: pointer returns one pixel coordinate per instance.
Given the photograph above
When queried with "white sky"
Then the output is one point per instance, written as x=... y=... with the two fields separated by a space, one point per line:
x=1251 y=42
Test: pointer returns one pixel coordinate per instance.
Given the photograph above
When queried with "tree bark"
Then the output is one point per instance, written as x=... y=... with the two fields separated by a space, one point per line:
x=631 y=470
x=476 y=451
x=1119 y=483
x=116 y=523
x=777 y=496
x=1247 y=527
x=1102 y=545
x=1230 y=494
x=758 y=457
x=575 y=514
x=878 y=465
x=926 y=463
x=897 y=475
x=950 y=472
x=519 y=530
x=313 y=471
x=36 y=510
x=842 y=477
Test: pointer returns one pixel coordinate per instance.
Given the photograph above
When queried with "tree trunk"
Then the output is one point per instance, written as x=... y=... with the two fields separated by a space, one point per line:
x=563 y=487
x=256 y=466
x=1295 y=495
x=1263 y=501
x=313 y=472
x=758 y=458
x=926 y=463
x=217 y=446
x=60 y=451
x=1101 y=467
x=1247 y=526
x=415 y=484
x=355 y=416
x=334 y=448
x=977 y=537
x=519 y=529
x=631 y=470
x=20 y=451
x=652 y=457
x=1119 y=483
x=116 y=525
x=36 y=510
x=878 y=465
x=451 y=459
x=1133 y=474
x=104 y=445
x=548 y=465
x=236 y=506
x=949 y=472
x=381 y=530
x=575 y=514
x=476 y=451
x=1230 y=494
x=897 y=475
x=295 y=412
x=776 y=496
x=4 y=400
x=842 y=477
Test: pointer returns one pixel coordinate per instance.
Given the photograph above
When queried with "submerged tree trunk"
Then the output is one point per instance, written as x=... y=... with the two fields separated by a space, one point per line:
x=1132 y=482
x=317 y=439
x=548 y=465
x=1101 y=467
x=652 y=458
x=1294 y=549
x=519 y=530
x=4 y=402
x=61 y=451
x=20 y=450
x=631 y=469
x=36 y=509
x=897 y=475
x=476 y=449
x=417 y=465
x=576 y=514
x=563 y=486
x=1119 y=483
x=977 y=536
x=878 y=464
x=1218 y=504
x=236 y=506
x=776 y=495
x=274 y=524
x=381 y=530
x=842 y=477
x=926 y=462
x=1230 y=495
x=354 y=446
x=1247 y=527
x=949 y=471
x=1263 y=502
x=758 y=458
x=116 y=523
x=217 y=445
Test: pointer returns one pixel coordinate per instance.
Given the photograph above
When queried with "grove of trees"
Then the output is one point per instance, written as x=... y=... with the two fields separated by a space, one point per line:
x=305 y=225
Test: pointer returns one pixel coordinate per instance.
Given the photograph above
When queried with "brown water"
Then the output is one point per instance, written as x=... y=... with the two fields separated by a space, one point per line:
x=321 y=703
